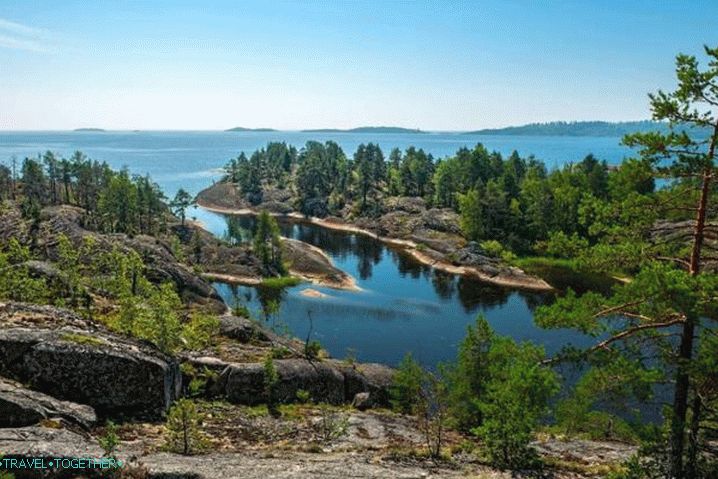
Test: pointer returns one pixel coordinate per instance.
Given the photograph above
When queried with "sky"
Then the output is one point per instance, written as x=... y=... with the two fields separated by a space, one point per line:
x=433 y=65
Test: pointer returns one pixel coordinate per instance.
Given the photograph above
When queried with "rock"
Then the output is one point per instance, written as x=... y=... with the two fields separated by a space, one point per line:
x=241 y=329
x=328 y=380
x=47 y=442
x=21 y=407
x=362 y=401
x=73 y=360
x=371 y=378
x=442 y=219
x=244 y=383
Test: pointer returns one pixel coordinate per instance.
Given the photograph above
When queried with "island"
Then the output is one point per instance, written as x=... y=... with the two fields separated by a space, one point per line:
x=241 y=128
x=367 y=129
x=86 y=130
x=575 y=128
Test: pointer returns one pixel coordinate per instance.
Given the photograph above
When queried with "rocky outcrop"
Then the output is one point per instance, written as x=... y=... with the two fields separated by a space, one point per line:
x=21 y=407
x=328 y=381
x=157 y=254
x=312 y=264
x=54 y=351
x=242 y=329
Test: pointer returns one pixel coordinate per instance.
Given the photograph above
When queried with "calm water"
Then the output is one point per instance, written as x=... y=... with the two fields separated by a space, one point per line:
x=403 y=306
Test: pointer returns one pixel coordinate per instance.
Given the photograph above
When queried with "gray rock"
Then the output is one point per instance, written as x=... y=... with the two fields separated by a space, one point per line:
x=371 y=378
x=330 y=381
x=74 y=361
x=47 y=442
x=21 y=407
x=244 y=383
x=241 y=329
x=362 y=401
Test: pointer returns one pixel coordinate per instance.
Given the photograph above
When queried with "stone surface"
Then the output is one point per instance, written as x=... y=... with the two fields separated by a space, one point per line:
x=54 y=351
x=329 y=380
x=21 y=407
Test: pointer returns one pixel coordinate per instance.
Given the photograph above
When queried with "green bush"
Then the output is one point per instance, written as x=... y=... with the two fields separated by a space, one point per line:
x=312 y=349
x=183 y=428
x=200 y=330
x=109 y=440
x=407 y=384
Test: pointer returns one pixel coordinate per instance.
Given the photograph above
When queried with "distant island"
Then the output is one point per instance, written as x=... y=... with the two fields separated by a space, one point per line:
x=576 y=128
x=366 y=129
x=241 y=128
x=88 y=129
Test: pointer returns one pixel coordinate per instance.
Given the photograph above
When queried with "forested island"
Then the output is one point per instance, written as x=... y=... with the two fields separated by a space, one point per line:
x=241 y=128
x=577 y=128
x=116 y=345
x=366 y=129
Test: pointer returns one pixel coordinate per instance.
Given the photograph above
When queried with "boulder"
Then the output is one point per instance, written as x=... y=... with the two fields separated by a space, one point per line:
x=362 y=401
x=21 y=407
x=54 y=351
x=45 y=442
x=244 y=383
x=329 y=381
x=241 y=329
x=374 y=379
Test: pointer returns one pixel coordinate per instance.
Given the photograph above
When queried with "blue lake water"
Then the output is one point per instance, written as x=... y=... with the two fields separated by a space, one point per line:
x=403 y=306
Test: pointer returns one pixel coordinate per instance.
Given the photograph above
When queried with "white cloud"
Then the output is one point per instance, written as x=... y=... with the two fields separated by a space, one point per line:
x=17 y=36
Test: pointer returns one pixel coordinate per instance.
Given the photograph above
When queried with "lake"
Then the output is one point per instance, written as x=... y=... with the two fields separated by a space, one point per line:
x=403 y=306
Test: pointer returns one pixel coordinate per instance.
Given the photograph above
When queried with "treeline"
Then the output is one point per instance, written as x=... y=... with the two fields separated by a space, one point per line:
x=115 y=201
x=513 y=200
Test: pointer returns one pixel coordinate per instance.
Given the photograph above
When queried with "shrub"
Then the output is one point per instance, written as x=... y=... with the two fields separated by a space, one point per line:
x=312 y=349
x=303 y=396
x=407 y=384
x=183 y=423
x=271 y=381
x=109 y=439
x=199 y=331
x=515 y=399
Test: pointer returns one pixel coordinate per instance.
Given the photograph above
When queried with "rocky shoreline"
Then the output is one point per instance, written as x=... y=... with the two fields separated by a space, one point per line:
x=483 y=268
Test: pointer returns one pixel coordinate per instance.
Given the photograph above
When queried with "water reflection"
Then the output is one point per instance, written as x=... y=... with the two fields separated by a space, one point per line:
x=403 y=305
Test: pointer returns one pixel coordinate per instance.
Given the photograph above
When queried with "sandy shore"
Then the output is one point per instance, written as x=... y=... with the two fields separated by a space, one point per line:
x=525 y=282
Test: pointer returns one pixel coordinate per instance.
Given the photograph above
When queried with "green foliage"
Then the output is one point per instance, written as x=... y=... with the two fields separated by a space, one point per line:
x=312 y=349
x=406 y=386
x=271 y=382
x=180 y=203
x=303 y=396
x=267 y=243
x=109 y=440
x=183 y=428
x=200 y=330
x=468 y=376
x=280 y=282
x=515 y=400
x=16 y=283
x=332 y=425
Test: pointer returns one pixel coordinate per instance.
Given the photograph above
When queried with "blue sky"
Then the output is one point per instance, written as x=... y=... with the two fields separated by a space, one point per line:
x=294 y=64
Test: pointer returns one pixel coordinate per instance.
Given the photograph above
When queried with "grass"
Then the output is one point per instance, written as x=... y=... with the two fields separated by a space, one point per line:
x=82 y=339
x=280 y=282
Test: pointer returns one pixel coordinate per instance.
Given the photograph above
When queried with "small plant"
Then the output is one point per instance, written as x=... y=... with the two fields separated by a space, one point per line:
x=303 y=396
x=184 y=435
x=312 y=349
x=109 y=440
x=407 y=386
x=271 y=381
x=351 y=357
x=331 y=425
x=199 y=331
x=280 y=352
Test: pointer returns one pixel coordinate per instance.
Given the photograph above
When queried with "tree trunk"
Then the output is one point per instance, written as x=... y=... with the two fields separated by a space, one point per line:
x=692 y=458
x=680 y=398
